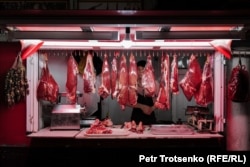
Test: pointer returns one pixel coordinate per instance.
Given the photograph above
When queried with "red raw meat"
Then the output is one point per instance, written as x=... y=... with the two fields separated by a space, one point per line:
x=238 y=84
x=47 y=88
x=98 y=128
x=162 y=100
x=174 y=87
x=166 y=74
x=205 y=95
x=114 y=77
x=71 y=83
x=192 y=79
x=89 y=76
x=133 y=127
x=148 y=78
x=140 y=127
x=132 y=98
x=105 y=88
x=122 y=97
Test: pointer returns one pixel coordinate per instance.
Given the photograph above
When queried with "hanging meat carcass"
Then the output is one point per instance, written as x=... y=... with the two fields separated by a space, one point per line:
x=132 y=89
x=174 y=87
x=47 y=88
x=205 y=95
x=192 y=79
x=122 y=97
x=238 y=85
x=148 y=78
x=162 y=100
x=104 y=89
x=89 y=76
x=114 y=76
x=71 y=83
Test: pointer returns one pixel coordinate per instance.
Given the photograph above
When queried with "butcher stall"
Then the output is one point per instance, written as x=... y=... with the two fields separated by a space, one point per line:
x=78 y=78
x=180 y=113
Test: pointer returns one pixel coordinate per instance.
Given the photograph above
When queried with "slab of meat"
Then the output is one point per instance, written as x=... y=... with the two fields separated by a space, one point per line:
x=174 y=86
x=132 y=89
x=105 y=89
x=71 y=83
x=47 y=88
x=192 y=79
x=238 y=85
x=89 y=76
x=122 y=97
x=133 y=127
x=162 y=100
x=205 y=95
x=114 y=77
x=148 y=78
x=97 y=127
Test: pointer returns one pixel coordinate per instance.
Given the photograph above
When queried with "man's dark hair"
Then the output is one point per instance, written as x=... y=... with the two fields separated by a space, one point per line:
x=141 y=63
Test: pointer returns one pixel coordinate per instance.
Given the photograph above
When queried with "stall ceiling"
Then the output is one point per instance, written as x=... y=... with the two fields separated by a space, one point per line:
x=107 y=36
x=121 y=29
x=90 y=31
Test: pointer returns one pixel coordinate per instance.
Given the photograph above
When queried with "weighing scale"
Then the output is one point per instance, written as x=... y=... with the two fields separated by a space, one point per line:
x=197 y=118
x=66 y=116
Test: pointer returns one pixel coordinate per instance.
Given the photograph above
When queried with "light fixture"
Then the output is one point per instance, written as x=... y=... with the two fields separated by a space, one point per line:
x=127 y=43
x=136 y=45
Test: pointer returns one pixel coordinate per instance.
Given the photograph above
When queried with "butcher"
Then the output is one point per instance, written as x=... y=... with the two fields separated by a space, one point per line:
x=143 y=110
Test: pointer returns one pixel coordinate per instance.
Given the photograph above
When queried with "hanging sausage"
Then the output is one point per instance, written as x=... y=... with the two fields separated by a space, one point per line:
x=16 y=84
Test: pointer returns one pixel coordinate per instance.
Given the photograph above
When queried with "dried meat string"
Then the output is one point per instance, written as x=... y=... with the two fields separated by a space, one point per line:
x=16 y=84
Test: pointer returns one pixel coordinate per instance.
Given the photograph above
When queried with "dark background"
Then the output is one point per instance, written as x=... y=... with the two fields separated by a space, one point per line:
x=146 y=4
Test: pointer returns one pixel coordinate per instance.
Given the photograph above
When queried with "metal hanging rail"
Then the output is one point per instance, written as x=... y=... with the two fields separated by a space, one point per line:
x=111 y=53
